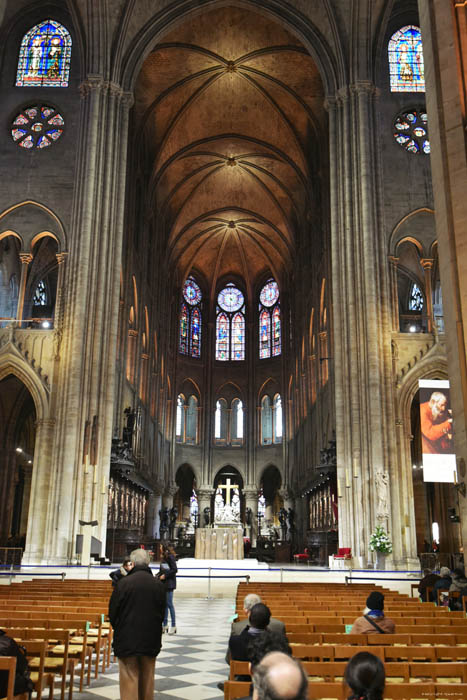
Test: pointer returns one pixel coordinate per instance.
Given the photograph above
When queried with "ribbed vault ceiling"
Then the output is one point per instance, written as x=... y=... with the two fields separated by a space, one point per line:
x=229 y=110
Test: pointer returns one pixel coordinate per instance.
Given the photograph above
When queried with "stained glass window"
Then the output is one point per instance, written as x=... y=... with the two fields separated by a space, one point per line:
x=277 y=418
x=411 y=130
x=190 y=319
x=44 y=56
x=266 y=420
x=37 y=126
x=230 y=324
x=180 y=417
x=183 y=346
x=269 y=321
x=40 y=295
x=406 y=67
x=416 y=301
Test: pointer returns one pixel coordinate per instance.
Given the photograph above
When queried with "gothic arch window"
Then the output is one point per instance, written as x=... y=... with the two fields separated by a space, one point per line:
x=266 y=420
x=230 y=324
x=236 y=429
x=277 y=418
x=405 y=55
x=269 y=321
x=180 y=419
x=416 y=301
x=40 y=297
x=220 y=422
x=190 y=319
x=44 y=56
x=191 y=420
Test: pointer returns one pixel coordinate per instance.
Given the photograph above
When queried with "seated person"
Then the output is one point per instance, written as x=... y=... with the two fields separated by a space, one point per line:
x=248 y=602
x=365 y=676
x=458 y=585
x=259 y=618
x=428 y=581
x=280 y=677
x=373 y=620
x=444 y=583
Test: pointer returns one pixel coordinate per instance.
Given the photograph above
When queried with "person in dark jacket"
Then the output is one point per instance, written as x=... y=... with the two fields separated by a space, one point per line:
x=239 y=643
x=168 y=574
x=121 y=572
x=136 y=611
x=444 y=583
x=428 y=581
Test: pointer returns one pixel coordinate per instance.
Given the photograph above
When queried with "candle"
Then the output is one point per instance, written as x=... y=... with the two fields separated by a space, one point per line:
x=347 y=478
x=455 y=476
x=103 y=486
x=355 y=467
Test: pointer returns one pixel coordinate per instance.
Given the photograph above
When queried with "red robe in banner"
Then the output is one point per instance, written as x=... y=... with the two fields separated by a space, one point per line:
x=434 y=434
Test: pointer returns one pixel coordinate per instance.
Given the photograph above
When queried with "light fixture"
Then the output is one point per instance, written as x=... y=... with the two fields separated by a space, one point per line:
x=29 y=461
x=45 y=324
x=414 y=466
x=413 y=329
x=19 y=449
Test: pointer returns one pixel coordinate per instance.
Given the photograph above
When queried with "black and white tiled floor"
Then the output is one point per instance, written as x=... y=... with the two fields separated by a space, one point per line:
x=191 y=662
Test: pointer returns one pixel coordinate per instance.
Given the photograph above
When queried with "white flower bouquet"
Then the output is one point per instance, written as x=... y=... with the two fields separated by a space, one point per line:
x=380 y=542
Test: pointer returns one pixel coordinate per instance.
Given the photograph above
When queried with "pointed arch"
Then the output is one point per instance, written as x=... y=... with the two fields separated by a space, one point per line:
x=10 y=363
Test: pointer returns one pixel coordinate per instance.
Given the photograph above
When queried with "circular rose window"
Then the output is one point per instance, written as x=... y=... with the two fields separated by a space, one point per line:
x=37 y=127
x=411 y=130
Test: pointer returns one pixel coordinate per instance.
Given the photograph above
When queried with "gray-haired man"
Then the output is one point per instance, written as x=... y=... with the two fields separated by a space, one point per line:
x=248 y=602
x=136 y=611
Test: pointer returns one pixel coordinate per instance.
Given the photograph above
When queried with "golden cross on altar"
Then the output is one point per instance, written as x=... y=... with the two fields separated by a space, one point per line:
x=229 y=487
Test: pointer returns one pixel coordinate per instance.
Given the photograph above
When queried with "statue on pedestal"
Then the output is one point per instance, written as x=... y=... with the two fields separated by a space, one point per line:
x=164 y=526
x=207 y=516
x=173 y=515
x=283 y=522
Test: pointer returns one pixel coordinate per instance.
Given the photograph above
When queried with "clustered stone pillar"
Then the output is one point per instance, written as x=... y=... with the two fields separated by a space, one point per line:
x=153 y=518
x=204 y=501
x=251 y=501
x=61 y=491
x=365 y=421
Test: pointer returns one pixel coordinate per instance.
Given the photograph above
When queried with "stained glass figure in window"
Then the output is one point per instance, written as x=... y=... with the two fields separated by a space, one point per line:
x=37 y=126
x=266 y=420
x=416 y=300
x=44 y=56
x=40 y=295
x=238 y=337
x=265 y=334
x=276 y=331
x=223 y=337
x=406 y=67
x=190 y=319
x=191 y=420
x=411 y=130
x=269 y=321
x=183 y=344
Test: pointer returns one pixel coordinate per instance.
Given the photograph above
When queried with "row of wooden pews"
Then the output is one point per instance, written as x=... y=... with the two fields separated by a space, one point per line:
x=425 y=658
x=63 y=627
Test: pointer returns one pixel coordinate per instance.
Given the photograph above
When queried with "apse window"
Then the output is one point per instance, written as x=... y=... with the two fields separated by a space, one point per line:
x=190 y=319
x=40 y=295
x=44 y=56
x=411 y=131
x=406 y=65
x=37 y=127
x=230 y=324
x=269 y=321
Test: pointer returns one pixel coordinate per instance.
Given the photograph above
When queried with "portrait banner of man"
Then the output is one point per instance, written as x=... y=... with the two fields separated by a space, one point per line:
x=438 y=452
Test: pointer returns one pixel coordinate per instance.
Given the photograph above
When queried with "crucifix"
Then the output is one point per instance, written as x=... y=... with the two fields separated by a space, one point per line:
x=229 y=487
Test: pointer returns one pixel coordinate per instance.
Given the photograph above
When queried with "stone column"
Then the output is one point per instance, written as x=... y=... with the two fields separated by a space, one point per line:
x=394 y=293
x=26 y=496
x=443 y=25
x=8 y=467
x=86 y=376
x=25 y=258
x=153 y=518
x=361 y=319
x=427 y=264
x=251 y=501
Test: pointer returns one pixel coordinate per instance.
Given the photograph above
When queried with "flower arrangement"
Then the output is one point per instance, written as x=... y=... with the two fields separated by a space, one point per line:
x=380 y=542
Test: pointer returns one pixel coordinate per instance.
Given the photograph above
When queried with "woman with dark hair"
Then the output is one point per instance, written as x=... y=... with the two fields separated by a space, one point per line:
x=365 y=676
x=168 y=574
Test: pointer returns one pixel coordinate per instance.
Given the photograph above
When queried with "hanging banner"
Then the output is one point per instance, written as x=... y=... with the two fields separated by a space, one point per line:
x=439 y=458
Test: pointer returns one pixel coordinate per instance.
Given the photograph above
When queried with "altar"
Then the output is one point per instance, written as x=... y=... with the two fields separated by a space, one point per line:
x=219 y=542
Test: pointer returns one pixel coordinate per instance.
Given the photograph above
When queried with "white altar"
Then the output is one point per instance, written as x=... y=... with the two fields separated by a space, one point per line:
x=219 y=542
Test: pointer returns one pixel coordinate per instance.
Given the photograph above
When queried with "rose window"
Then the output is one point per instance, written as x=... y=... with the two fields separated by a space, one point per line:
x=37 y=127
x=411 y=131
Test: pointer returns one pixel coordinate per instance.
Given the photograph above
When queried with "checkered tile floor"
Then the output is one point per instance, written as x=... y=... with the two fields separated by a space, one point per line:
x=191 y=662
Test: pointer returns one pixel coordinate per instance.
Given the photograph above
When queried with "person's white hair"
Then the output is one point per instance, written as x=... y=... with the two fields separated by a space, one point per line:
x=250 y=600
x=140 y=557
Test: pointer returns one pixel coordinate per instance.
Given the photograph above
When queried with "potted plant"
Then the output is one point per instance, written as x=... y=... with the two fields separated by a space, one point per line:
x=382 y=545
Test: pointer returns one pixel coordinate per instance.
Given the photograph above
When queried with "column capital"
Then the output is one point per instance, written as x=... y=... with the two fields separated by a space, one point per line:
x=364 y=87
x=25 y=258
x=96 y=83
x=393 y=260
x=204 y=492
x=250 y=491
x=61 y=257
x=45 y=423
x=171 y=490
x=427 y=263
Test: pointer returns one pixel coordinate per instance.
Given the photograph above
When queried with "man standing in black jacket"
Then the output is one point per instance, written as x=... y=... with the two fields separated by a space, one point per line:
x=136 y=611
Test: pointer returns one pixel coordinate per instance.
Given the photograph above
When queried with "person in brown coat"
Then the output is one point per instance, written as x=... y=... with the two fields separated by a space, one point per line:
x=373 y=620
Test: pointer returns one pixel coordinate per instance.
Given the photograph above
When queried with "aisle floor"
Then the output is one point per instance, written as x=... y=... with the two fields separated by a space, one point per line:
x=191 y=662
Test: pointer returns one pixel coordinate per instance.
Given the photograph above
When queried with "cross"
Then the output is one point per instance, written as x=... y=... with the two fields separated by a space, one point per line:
x=229 y=487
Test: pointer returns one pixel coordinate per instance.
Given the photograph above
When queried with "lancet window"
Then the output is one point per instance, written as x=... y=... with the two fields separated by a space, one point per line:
x=190 y=319
x=44 y=56
x=406 y=66
x=186 y=420
x=271 y=420
x=230 y=324
x=229 y=422
x=269 y=321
